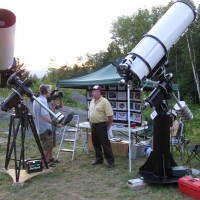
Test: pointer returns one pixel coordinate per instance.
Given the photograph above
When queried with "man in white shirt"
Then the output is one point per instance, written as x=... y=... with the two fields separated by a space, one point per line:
x=44 y=122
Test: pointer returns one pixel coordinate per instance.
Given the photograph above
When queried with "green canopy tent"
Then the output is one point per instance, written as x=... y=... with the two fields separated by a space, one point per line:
x=105 y=76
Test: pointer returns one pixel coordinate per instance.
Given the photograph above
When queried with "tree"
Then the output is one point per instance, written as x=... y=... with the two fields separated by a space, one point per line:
x=127 y=31
x=21 y=67
x=113 y=52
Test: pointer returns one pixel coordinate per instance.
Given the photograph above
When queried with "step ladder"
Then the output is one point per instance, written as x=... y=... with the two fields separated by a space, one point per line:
x=70 y=137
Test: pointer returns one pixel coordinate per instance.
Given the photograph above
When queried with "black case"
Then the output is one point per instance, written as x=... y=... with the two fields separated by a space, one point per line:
x=33 y=166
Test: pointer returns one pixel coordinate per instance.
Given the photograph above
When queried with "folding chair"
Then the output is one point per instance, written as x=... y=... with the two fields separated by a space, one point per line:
x=193 y=152
x=179 y=141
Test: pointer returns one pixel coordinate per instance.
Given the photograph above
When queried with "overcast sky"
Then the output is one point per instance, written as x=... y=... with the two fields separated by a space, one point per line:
x=65 y=29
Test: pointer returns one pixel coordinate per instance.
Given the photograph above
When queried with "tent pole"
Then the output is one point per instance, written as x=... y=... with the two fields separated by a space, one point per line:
x=129 y=130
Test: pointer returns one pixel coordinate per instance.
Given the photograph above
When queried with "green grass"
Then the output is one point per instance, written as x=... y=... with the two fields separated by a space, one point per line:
x=78 y=179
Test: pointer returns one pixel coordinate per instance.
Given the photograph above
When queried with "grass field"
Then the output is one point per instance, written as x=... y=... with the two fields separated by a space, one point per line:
x=78 y=179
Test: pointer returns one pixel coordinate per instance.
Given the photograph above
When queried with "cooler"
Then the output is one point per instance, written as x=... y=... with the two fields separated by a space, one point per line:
x=190 y=186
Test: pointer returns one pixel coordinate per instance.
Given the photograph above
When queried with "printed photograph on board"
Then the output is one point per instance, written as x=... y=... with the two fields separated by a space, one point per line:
x=122 y=116
x=121 y=106
x=112 y=95
x=112 y=87
x=120 y=87
x=136 y=106
x=121 y=96
x=136 y=96
x=135 y=117
x=113 y=104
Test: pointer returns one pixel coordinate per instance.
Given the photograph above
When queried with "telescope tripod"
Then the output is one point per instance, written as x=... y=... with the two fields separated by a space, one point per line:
x=19 y=123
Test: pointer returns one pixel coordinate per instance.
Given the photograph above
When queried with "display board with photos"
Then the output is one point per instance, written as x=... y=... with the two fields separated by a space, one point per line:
x=117 y=96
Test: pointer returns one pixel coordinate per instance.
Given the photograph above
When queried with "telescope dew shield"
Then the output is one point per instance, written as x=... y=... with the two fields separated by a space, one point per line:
x=183 y=112
x=156 y=43
x=7 y=33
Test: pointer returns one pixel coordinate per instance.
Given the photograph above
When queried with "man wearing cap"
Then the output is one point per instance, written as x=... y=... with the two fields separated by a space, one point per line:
x=100 y=117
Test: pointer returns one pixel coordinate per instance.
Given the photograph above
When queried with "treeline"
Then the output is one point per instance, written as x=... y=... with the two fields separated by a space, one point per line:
x=126 y=32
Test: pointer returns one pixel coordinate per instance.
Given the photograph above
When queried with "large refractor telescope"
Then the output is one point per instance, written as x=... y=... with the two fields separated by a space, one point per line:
x=149 y=54
x=149 y=60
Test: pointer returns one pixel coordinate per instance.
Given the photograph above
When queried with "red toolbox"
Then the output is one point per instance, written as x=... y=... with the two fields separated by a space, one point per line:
x=190 y=186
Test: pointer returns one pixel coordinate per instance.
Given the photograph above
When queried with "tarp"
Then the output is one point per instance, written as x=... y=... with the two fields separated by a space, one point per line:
x=105 y=76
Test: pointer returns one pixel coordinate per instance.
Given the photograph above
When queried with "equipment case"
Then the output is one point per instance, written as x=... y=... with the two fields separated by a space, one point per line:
x=33 y=166
x=190 y=186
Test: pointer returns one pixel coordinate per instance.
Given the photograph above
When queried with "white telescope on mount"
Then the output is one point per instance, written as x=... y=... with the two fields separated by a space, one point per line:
x=154 y=46
x=149 y=59
x=7 y=34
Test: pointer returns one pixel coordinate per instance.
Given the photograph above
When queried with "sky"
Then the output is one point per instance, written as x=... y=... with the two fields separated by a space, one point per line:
x=63 y=30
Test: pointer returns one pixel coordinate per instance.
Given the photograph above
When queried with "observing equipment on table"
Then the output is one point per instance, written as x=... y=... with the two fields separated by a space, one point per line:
x=7 y=33
x=149 y=60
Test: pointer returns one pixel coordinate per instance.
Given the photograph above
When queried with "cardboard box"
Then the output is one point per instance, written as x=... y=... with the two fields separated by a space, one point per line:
x=190 y=186
x=118 y=148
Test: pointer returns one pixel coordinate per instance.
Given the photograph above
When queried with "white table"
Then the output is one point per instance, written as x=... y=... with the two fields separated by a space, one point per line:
x=115 y=127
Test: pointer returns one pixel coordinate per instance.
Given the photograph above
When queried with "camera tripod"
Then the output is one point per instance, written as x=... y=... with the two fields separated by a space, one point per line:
x=19 y=123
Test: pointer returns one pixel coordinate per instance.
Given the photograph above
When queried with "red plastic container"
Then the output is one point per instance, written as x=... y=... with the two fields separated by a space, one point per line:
x=190 y=186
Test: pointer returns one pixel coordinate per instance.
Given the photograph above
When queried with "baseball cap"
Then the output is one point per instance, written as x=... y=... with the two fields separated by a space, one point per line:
x=97 y=87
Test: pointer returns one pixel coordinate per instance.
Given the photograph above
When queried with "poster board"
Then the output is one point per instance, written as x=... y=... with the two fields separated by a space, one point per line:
x=117 y=96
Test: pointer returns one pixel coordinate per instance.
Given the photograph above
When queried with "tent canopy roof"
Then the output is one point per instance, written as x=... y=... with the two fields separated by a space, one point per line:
x=105 y=76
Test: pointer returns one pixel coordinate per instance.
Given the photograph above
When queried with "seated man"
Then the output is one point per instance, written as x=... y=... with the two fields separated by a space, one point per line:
x=175 y=123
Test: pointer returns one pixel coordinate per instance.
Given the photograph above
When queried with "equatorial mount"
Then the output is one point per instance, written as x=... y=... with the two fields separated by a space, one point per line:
x=20 y=89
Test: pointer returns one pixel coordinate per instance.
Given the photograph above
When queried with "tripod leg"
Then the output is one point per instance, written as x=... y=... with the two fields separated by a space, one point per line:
x=23 y=136
x=14 y=132
x=17 y=166
x=7 y=160
x=24 y=122
x=34 y=131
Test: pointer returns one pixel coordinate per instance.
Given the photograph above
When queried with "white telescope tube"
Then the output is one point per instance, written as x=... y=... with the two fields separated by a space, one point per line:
x=156 y=43
x=7 y=34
